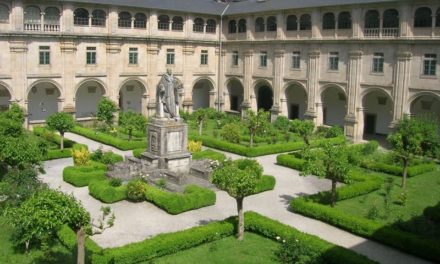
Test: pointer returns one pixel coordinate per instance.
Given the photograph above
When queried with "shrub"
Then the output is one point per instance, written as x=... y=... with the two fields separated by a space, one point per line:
x=109 y=140
x=115 y=182
x=266 y=183
x=370 y=147
x=105 y=192
x=137 y=152
x=290 y=161
x=194 y=146
x=294 y=251
x=136 y=190
x=231 y=133
x=282 y=123
x=81 y=157
x=193 y=197
x=106 y=111
x=421 y=169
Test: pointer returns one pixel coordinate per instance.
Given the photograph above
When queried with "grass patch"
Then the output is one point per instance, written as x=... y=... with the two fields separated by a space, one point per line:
x=110 y=140
x=209 y=154
x=253 y=249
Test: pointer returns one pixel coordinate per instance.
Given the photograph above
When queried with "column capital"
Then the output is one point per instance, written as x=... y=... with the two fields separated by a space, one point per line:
x=279 y=53
x=314 y=54
x=249 y=53
x=113 y=47
x=68 y=46
x=188 y=50
x=153 y=48
x=18 y=46
x=356 y=54
x=404 y=55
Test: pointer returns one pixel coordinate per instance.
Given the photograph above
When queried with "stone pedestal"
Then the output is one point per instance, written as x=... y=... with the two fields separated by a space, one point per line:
x=167 y=145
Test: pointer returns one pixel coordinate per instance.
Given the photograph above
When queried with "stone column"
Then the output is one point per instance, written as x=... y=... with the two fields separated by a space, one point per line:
x=316 y=18
x=249 y=27
x=153 y=23
x=113 y=18
x=401 y=85
x=18 y=53
x=153 y=78
x=280 y=26
x=188 y=63
x=68 y=50
x=312 y=83
x=405 y=21
x=356 y=14
x=247 y=83
x=67 y=18
x=219 y=90
x=277 y=83
x=353 y=90
x=113 y=70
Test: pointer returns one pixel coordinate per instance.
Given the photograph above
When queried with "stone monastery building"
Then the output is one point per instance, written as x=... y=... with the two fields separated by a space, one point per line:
x=360 y=64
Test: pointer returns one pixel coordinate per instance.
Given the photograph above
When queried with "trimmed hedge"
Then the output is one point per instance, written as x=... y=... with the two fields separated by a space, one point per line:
x=137 y=152
x=80 y=176
x=165 y=244
x=109 y=140
x=50 y=136
x=103 y=191
x=267 y=183
x=263 y=149
x=405 y=241
x=288 y=160
x=193 y=197
x=67 y=237
x=209 y=154
x=398 y=170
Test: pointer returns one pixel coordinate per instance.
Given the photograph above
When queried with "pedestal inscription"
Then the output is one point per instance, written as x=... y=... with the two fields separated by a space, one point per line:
x=174 y=141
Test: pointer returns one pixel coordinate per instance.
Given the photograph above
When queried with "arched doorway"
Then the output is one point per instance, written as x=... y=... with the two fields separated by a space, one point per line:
x=426 y=104
x=334 y=106
x=5 y=98
x=264 y=98
x=43 y=100
x=296 y=101
x=378 y=113
x=236 y=95
x=87 y=98
x=201 y=94
x=131 y=96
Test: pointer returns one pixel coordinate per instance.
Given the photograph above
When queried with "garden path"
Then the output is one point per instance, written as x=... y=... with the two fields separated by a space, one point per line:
x=138 y=221
x=93 y=145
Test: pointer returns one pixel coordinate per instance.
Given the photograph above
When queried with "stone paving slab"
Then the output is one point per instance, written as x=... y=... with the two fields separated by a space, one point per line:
x=138 y=221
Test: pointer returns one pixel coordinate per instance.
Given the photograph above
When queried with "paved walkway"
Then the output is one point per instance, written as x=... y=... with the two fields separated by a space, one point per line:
x=138 y=221
x=93 y=145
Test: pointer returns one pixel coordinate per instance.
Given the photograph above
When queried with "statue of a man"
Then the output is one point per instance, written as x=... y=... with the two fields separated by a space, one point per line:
x=168 y=96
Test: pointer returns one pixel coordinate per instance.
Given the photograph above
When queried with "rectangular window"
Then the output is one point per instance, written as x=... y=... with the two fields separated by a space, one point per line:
x=235 y=58
x=44 y=55
x=333 y=61
x=263 y=59
x=91 y=55
x=378 y=59
x=133 y=56
x=430 y=64
x=296 y=60
x=170 y=56
x=204 y=57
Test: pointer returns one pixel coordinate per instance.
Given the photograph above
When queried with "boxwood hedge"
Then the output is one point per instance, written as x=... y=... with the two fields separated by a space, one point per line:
x=192 y=198
x=105 y=192
x=165 y=244
x=266 y=183
x=80 y=176
x=398 y=170
x=109 y=140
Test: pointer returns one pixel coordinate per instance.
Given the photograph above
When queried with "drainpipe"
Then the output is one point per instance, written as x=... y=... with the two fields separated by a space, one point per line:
x=220 y=60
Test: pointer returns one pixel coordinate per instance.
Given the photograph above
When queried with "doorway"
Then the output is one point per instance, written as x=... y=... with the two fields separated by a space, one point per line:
x=370 y=124
x=294 y=111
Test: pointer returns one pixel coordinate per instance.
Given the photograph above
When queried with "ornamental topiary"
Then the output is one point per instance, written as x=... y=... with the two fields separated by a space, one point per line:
x=136 y=190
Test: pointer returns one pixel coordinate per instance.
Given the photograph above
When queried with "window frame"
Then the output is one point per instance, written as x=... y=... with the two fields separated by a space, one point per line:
x=296 y=60
x=44 y=55
x=204 y=57
x=91 y=56
x=378 y=62
x=430 y=64
x=235 y=58
x=171 y=57
x=333 y=61
x=133 y=56
x=263 y=59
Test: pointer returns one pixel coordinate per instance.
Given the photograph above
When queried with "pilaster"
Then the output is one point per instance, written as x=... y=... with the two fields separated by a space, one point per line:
x=353 y=90
x=152 y=59
x=248 y=70
x=17 y=15
x=220 y=101
x=278 y=82
x=188 y=59
x=401 y=84
x=312 y=83
x=67 y=18
x=68 y=50
x=113 y=70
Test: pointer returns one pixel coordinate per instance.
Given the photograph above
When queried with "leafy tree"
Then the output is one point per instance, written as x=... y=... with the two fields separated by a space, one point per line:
x=106 y=111
x=304 y=128
x=231 y=132
x=22 y=151
x=239 y=179
x=15 y=113
x=412 y=137
x=18 y=185
x=132 y=121
x=61 y=122
x=256 y=122
x=330 y=163
x=201 y=116
x=42 y=215
x=282 y=123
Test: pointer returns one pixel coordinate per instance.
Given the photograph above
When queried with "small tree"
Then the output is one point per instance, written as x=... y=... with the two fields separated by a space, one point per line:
x=256 y=122
x=61 y=122
x=304 y=128
x=330 y=163
x=15 y=113
x=201 y=116
x=106 y=111
x=239 y=179
x=412 y=137
x=132 y=121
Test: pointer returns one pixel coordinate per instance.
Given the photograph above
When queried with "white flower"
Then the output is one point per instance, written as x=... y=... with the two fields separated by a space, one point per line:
x=278 y=238
x=284 y=241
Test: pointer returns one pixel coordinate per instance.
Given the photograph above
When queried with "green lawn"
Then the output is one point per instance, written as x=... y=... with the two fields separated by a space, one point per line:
x=8 y=254
x=422 y=191
x=253 y=249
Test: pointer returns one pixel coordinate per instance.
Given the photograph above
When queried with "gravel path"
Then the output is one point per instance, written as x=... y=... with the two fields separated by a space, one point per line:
x=138 y=221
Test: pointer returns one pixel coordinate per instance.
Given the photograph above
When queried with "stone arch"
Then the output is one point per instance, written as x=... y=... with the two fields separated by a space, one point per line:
x=132 y=95
x=264 y=95
x=334 y=105
x=294 y=95
x=203 y=93
x=235 y=92
x=377 y=105
x=43 y=99
x=425 y=103
x=88 y=93
x=5 y=96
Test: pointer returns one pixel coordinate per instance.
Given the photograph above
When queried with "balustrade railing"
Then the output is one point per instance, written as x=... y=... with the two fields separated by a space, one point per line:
x=51 y=27
x=32 y=27
x=371 y=32
x=390 y=32
x=198 y=28
x=163 y=26
x=124 y=23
